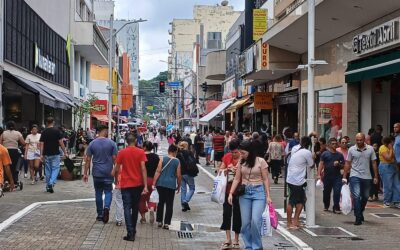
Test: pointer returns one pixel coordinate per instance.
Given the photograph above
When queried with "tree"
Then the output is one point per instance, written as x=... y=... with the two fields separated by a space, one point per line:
x=84 y=108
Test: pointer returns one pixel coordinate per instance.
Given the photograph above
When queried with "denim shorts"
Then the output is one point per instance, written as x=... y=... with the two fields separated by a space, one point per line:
x=207 y=150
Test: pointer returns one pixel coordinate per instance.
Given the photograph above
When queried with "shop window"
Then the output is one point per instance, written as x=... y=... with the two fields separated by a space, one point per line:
x=329 y=113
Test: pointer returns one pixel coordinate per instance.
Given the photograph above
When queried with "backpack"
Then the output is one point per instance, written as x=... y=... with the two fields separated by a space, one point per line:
x=191 y=164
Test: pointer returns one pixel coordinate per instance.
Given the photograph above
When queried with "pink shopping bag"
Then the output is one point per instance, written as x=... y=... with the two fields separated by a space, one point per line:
x=273 y=216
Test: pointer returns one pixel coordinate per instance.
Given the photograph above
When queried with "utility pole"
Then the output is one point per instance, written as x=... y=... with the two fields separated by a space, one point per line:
x=197 y=88
x=110 y=68
x=310 y=204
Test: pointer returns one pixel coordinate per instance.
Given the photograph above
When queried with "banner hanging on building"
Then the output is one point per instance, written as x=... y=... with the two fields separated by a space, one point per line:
x=263 y=100
x=259 y=23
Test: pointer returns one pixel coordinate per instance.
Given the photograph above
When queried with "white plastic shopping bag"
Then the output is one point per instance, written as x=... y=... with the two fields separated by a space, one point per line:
x=266 y=228
x=345 y=200
x=320 y=185
x=154 y=197
x=212 y=155
x=219 y=188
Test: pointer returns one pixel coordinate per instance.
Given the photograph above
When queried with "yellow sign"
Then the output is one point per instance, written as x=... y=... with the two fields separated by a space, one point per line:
x=151 y=108
x=114 y=87
x=264 y=55
x=263 y=100
x=259 y=23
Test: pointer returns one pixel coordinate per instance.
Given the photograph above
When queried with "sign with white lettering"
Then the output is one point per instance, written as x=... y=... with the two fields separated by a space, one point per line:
x=43 y=62
x=379 y=37
x=263 y=100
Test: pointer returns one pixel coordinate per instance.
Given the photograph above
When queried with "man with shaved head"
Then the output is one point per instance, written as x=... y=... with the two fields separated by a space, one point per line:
x=358 y=161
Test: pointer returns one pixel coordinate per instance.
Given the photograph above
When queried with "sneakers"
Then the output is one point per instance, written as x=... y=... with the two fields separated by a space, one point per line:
x=25 y=176
x=119 y=223
x=99 y=218
x=160 y=224
x=358 y=222
x=50 y=189
x=106 y=215
x=386 y=205
x=166 y=227
x=397 y=205
x=185 y=207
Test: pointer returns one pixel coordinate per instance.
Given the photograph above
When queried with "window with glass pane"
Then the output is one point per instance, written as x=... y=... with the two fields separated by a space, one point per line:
x=330 y=110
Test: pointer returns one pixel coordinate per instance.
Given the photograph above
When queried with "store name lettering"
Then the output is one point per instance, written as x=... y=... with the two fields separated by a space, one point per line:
x=264 y=56
x=376 y=38
x=99 y=107
x=43 y=62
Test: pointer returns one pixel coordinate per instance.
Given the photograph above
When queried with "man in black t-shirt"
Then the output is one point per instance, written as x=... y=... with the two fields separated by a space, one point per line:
x=330 y=164
x=51 y=141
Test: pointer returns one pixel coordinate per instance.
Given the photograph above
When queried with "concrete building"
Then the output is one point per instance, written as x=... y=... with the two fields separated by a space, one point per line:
x=208 y=29
x=356 y=90
x=128 y=38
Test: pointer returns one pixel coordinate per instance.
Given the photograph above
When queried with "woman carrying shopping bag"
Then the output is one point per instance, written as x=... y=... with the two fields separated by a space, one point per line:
x=231 y=213
x=167 y=179
x=254 y=192
x=151 y=165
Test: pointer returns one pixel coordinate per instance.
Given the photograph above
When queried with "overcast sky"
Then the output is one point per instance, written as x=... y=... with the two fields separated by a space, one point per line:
x=154 y=33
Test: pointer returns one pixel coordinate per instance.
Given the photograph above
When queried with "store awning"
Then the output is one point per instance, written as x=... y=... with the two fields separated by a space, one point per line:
x=373 y=67
x=61 y=101
x=33 y=87
x=102 y=118
x=238 y=104
x=221 y=107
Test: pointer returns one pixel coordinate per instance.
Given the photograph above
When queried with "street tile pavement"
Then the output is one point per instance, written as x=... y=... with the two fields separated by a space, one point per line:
x=73 y=226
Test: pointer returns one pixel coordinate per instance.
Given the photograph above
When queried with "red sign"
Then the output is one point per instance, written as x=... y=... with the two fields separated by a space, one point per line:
x=100 y=107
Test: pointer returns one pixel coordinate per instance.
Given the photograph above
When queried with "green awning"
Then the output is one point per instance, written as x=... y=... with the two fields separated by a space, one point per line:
x=373 y=67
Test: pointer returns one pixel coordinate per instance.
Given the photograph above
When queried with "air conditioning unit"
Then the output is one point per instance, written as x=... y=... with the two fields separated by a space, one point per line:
x=170 y=32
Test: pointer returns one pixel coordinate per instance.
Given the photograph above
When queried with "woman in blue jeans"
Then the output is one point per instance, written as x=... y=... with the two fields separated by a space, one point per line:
x=389 y=174
x=253 y=174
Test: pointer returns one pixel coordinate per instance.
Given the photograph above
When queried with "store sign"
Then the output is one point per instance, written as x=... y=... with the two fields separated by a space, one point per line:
x=264 y=56
x=259 y=23
x=380 y=37
x=100 y=107
x=44 y=62
x=229 y=89
x=263 y=100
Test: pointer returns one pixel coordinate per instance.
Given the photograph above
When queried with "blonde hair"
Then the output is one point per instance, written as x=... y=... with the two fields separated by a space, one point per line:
x=184 y=145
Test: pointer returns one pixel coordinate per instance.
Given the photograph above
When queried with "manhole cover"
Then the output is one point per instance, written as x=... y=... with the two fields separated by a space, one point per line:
x=329 y=231
x=184 y=235
x=385 y=215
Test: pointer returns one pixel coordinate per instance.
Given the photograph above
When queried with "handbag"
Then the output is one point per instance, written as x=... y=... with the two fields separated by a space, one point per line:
x=242 y=188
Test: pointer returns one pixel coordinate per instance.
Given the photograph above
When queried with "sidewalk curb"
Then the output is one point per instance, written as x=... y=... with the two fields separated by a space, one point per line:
x=14 y=218
x=281 y=230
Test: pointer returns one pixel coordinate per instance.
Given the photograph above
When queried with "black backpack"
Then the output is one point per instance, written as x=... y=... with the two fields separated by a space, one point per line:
x=191 y=164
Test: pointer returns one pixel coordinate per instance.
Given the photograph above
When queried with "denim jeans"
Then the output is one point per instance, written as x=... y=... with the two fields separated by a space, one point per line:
x=252 y=205
x=103 y=185
x=187 y=181
x=131 y=198
x=359 y=189
x=52 y=168
x=391 y=182
x=330 y=183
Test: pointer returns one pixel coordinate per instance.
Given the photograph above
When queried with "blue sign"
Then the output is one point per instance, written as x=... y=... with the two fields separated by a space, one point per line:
x=174 y=84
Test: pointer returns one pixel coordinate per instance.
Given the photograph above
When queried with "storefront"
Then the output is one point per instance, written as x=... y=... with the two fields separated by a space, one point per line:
x=376 y=73
x=36 y=71
x=286 y=112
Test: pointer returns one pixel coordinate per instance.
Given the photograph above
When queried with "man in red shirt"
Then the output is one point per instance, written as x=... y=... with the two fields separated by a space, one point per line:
x=218 y=146
x=132 y=181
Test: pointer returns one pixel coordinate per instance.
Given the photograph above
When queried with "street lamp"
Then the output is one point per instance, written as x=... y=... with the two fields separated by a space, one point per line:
x=110 y=40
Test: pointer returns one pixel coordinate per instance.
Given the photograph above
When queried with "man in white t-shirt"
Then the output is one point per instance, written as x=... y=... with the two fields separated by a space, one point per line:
x=296 y=178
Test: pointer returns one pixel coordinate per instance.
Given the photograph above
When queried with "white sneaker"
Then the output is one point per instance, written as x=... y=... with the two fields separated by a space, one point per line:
x=25 y=176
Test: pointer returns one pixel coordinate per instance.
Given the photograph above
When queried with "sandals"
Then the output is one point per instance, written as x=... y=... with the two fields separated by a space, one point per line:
x=142 y=220
x=236 y=245
x=226 y=245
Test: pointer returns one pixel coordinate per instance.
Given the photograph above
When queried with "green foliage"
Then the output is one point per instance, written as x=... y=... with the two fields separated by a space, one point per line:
x=84 y=108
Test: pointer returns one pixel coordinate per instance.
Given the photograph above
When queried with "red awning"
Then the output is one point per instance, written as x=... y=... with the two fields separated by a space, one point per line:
x=102 y=118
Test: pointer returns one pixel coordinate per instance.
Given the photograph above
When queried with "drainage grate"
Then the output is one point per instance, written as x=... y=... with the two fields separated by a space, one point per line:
x=385 y=215
x=184 y=235
x=328 y=231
